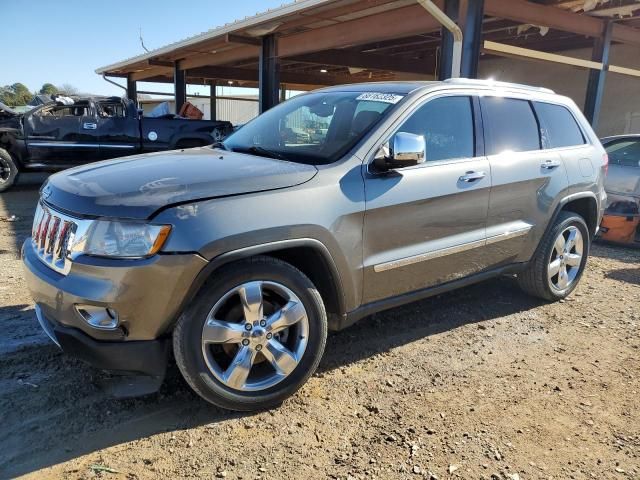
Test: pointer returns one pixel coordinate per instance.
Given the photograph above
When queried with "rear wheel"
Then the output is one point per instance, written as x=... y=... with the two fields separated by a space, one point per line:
x=558 y=265
x=8 y=170
x=254 y=335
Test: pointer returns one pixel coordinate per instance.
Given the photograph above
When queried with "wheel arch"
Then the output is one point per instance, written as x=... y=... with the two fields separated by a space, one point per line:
x=308 y=255
x=582 y=203
x=585 y=205
x=10 y=142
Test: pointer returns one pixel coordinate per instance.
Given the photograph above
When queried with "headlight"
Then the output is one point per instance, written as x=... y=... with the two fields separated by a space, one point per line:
x=122 y=239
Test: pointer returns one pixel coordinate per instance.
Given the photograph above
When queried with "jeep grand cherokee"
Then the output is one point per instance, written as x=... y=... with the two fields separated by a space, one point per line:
x=327 y=208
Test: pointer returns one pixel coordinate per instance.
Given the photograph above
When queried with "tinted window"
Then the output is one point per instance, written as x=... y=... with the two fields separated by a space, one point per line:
x=315 y=128
x=558 y=125
x=624 y=152
x=510 y=125
x=447 y=126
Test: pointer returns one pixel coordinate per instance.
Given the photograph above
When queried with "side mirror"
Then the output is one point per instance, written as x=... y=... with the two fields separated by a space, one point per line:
x=407 y=150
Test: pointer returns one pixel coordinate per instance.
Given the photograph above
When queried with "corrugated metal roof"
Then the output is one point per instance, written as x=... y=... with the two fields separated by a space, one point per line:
x=238 y=25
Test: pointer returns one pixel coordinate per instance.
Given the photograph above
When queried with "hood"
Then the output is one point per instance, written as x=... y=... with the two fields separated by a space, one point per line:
x=136 y=187
x=7 y=112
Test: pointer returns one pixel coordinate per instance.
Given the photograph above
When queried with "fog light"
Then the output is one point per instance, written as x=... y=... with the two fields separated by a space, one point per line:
x=99 y=317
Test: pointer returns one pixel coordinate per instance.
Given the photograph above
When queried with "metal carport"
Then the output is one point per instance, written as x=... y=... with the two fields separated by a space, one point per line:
x=313 y=43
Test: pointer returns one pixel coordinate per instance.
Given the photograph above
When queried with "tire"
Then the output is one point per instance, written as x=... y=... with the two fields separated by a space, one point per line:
x=8 y=171
x=203 y=364
x=538 y=279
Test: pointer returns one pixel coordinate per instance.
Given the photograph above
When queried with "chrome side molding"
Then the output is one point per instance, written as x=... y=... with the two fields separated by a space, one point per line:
x=443 y=252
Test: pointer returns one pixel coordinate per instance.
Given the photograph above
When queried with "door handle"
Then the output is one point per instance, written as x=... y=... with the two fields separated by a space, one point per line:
x=472 y=176
x=90 y=126
x=550 y=164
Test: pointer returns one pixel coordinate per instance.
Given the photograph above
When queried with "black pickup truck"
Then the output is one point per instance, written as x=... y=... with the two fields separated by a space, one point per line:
x=60 y=134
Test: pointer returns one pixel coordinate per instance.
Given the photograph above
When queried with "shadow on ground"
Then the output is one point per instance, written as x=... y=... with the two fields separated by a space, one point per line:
x=66 y=415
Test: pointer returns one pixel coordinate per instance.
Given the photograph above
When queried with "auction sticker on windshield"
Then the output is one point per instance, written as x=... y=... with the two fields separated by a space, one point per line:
x=380 y=97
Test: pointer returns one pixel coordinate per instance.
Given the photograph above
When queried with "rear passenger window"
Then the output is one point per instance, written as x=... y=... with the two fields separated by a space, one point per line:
x=510 y=125
x=447 y=126
x=558 y=125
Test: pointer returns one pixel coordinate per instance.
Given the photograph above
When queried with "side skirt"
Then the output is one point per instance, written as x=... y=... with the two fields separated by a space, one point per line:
x=378 y=306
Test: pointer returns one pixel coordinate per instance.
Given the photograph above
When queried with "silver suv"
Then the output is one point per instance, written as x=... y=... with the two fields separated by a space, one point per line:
x=325 y=209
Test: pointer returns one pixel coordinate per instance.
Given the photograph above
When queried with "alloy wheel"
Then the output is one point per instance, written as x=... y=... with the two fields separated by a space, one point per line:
x=566 y=258
x=255 y=335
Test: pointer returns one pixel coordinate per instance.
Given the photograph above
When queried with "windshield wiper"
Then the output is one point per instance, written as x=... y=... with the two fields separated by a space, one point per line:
x=261 y=151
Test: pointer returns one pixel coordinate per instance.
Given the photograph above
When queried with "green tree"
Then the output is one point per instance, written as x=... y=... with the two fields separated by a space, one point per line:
x=67 y=89
x=15 y=95
x=48 y=89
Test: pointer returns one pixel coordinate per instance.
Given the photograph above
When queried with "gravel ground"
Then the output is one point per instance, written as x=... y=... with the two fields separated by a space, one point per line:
x=484 y=382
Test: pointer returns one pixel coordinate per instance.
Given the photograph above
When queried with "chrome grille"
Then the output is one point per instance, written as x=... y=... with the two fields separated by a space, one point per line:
x=52 y=237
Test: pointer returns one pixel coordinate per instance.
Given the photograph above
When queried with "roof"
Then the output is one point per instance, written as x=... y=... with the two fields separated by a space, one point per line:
x=329 y=42
x=248 y=22
x=407 y=87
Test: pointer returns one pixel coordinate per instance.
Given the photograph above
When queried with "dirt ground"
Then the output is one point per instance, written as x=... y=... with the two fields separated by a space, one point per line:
x=481 y=383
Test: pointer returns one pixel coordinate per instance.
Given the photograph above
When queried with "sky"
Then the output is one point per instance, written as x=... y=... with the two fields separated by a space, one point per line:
x=64 y=41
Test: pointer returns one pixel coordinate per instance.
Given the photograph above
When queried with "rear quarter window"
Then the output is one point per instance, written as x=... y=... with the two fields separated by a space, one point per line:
x=510 y=125
x=559 y=127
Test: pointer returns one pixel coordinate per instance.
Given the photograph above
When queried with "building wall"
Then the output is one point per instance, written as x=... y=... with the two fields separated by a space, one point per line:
x=620 y=111
x=236 y=111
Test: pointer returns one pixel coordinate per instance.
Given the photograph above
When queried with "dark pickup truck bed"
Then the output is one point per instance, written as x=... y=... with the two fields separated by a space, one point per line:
x=55 y=136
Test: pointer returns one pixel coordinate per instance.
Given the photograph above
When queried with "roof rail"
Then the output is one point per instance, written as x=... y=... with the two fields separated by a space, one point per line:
x=495 y=83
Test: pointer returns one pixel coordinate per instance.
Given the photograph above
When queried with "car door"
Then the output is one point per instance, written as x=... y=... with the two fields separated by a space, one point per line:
x=623 y=175
x=118 y=128
x=54 y=134
x=527 y=178
x=425 y=225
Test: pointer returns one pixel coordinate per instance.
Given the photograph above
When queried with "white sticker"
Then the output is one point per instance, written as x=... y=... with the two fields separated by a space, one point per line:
x=380 y=97
x=153 y=136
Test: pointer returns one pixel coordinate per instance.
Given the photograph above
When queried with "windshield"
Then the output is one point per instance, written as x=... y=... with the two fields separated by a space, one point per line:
x=316 y=128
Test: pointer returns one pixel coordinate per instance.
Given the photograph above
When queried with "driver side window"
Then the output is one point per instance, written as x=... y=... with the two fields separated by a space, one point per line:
x=446 y=123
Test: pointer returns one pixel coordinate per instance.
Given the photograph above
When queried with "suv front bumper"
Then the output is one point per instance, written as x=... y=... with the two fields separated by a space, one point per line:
x=147 y=295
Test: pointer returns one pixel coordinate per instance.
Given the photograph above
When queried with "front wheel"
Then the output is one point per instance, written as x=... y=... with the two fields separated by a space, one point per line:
x=557 y=267
x=8 y=170
x=253 y=336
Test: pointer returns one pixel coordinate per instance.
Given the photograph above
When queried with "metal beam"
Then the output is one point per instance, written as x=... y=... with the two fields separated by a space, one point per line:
x=179 y=86
x=269 y=73
x=472 y=41
x=556 y=18
x=132 y=90
x=221 y=57
x=213 y=101
x=241 y=39
x=595 y=86
x=451 y=10
x=370 y=61
x=151 y=72
x=505 y=50
x=252 y=75
x=398 y=23
x=160 y=63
